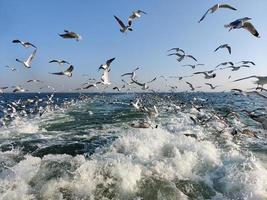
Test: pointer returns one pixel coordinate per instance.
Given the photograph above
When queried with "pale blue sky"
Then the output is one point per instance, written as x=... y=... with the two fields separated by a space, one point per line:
x=168 y=24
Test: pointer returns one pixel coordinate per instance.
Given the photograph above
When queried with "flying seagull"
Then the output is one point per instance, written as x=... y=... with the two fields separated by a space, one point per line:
x=262 y=80
x=33 y=80
x=207 y=76
x=215 y=8
x=92 y=85
x=227 y=46
x=60 y=62
x=25 y=44
x=236 y=68
x=143 y=85
x=193 y=66
x=182 y=57
x=246 y=62
x=177 y=50
x=67 y=72
x=132 y=74
x=107 y=64
x=124 y=28
x=19 y=89
x=28 y=62
x=105 y=77
x=70 y=35
x=225 y=63
x=211 y=86
x=191 y=86
x=136 y=14
x=245 y=24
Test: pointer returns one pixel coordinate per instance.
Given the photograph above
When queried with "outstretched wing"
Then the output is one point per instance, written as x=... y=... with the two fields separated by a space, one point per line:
x=248 y=26
x=245 y=78
x=227 y=6
x=120 y=22
x=203 y=17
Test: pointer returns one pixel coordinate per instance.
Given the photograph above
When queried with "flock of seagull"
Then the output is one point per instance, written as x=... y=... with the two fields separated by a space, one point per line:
x=178 y=53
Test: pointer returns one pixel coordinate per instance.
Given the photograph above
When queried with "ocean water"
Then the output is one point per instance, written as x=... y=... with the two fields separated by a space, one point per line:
x=71 y=146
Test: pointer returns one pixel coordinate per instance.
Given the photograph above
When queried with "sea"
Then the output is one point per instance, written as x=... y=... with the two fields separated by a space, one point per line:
x=85 y=147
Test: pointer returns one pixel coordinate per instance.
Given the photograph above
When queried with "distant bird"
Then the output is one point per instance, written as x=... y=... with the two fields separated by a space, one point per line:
x=33 y=80
x=124 y=28
x=227 y=46
x=28 y=62
x=11 y=68
x=178 y=50
x=245 y=24
x=144 y=85
x=180 y=77
x=211 y=86
x=225 y=63
x=67 y=72
x=19 y=89
x=186 y=56
x=25 y=44
x=107 y=64
x=206 y=75
x=2 y=89
x=118 y=89
x=246 y=62
x=215 y=8
x=60 y=62
x=70 y=35
x=193 y=66
x=262 y=80
x=135 y=15
x=92 y=85
x=132 y=74
x=191 y=86
x=236 y=68
x=105 y=77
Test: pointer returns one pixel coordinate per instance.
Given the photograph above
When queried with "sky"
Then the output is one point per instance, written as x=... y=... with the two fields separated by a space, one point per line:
x=168 y=24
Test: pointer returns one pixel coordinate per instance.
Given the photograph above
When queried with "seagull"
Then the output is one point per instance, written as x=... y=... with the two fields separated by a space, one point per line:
x=2 y=89
x=211 y=86
x=92 y=85
x=191 y=86
x=262 y=80
x=144 y=85
x=107 y=64
x=67 y=72
x=215 y=8
x=105 y=77
x=236 y=68
x=135 y=14
x=25 y=44
x=33 y=80
x=136 y=104
x=245 y=62
x=124 y=28
x=193 y=66
x=225 y=63
x=132 y=74
x=60 y=62
x=180 y=77
x=19 y=89
x=207 y=76
x=118 y=89
x=11 y=68
x=70 y=35
x=28 y=62
x=182 y=57
x=227 y=46
x=243 y=23
x=177 y=50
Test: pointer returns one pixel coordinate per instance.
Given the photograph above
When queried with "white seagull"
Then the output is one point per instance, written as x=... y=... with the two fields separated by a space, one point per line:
x=136 y=14
x=245 y=24
x=132 y=74
x=67 y=72
x=144 y=85
x=215 y=8
x=124 y=28
x=28 y=62
x=25 y=44
x=227 y=46
x=71 y=35
x=60 y=62
x=107 y=64
x=105 y=77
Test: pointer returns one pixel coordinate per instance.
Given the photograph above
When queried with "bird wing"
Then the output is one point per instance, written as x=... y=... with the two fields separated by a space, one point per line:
x=227 y=6
x=229 y=49
x=190 y=56
x=110 y=61
x=245 y=78
x=30 y=44
x=152 y=80
x=203 y=17
x=218 y=48
x=140 y=11
x=127 y=74
x=16 y=41
x=29 y=60
x=140 y=84
x=249 y=26
x=58 y=73
x=70 y=69
x=209 y=84
x=88 y=86
x=120 y=22
x=51 y=61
